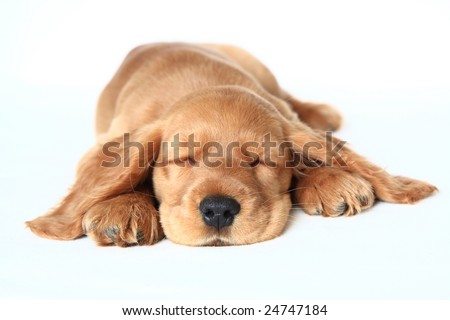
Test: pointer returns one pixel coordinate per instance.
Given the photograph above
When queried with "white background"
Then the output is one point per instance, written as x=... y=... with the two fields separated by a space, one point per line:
x=384 y=64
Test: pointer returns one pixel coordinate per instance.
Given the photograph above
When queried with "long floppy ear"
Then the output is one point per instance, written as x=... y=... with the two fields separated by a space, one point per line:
x=317 y=148
x=105 y=171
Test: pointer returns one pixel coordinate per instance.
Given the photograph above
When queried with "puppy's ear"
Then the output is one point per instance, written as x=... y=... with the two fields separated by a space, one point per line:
x=313 y=147
x=107 y=170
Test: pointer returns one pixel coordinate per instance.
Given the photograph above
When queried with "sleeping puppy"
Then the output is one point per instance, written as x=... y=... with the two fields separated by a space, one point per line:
x=199 y=144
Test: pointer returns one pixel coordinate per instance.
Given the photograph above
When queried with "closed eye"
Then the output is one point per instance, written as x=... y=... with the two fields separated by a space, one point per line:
x=254 y=163
x=185 y=160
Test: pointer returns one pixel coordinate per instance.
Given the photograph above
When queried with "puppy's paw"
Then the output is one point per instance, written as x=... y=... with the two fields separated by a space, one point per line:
x=333 y=192
x=405 y=190
x=125 y=220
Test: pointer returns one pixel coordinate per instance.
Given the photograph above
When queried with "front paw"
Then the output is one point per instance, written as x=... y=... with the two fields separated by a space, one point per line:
x=125 y=220
x=405 y=190
x=333 y=192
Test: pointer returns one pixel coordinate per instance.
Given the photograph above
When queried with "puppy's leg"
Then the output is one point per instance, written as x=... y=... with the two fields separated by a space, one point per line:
x=332 y=192
x=386 y=187
x=317 y=116
x=125 y=220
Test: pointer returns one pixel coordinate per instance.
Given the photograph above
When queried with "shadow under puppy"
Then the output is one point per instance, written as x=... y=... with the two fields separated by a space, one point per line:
x=178 y=104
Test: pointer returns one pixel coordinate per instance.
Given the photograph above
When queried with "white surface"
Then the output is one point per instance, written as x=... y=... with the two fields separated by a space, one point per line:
x=385 y=65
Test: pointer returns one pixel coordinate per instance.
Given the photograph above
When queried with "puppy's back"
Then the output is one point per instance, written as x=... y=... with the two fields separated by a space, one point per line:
x=153 y=77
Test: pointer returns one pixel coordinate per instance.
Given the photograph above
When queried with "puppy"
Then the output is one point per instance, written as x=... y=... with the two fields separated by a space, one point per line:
x=199 y=144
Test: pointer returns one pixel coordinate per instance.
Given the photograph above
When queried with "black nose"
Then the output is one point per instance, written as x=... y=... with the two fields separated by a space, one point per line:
x=219 y=211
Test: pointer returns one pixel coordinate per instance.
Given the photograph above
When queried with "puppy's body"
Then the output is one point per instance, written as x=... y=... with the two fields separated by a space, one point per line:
x=221 y=95
x=154 y=77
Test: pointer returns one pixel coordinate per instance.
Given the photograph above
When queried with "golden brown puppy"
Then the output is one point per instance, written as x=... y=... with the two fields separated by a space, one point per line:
x=198 y=143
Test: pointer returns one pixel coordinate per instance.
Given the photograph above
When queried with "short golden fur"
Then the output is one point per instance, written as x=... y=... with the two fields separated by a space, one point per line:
x=218 y=93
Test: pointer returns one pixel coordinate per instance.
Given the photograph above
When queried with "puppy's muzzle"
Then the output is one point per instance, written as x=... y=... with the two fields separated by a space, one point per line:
x=219 y=211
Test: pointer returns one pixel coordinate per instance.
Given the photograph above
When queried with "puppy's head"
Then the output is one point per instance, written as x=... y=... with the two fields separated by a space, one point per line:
x=217 y=163
x=220 y=175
